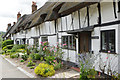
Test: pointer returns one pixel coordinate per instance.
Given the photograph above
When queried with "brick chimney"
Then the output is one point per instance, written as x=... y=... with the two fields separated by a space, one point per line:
x=18 y=15
x=14 y=23
x=34 y=6
x=9 y=25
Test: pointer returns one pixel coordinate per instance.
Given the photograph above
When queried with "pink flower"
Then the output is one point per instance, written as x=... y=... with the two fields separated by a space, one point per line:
x=57 y=42
x=54 y=60
x=64 y=44
x=41 y=42
x=43 y=48
x=106 y=57
x=108 y=51
x=50 y=49
x=50 y=61
x=61 y=62
x=54 y=51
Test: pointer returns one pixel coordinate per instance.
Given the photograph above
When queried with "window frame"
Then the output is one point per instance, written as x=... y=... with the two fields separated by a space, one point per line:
x=107 y=32
x=36 y=40
x=68 y=44
x=44 y=37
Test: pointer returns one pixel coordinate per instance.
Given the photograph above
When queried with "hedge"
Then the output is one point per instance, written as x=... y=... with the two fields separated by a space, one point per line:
x=7 y=42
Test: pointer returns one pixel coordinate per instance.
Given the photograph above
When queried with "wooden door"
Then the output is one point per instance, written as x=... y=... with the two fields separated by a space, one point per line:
x=84 y=42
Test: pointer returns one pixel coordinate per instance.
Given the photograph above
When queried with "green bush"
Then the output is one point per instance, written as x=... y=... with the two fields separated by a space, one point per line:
x=17 y=48
x=21 y=60
x=57 y=65
x=7 y=47
x=32 y=67
x=16 y=55
x=30 y=63
x=7 y=42
x=44 y=70
x=37 y=56
x=49 y=59
x=24 y=57
x=32 y=56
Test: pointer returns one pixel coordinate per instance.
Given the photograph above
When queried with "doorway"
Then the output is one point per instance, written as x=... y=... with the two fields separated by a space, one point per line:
x=84 y=42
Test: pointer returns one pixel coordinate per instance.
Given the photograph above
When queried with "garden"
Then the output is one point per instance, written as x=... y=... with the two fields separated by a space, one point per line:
x=45 y=61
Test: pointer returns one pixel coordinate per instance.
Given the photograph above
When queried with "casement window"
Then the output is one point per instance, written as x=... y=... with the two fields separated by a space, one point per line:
x=108 y=41
x=43 y=39
x=36 y=41
x=28 y=41
x=69 y=42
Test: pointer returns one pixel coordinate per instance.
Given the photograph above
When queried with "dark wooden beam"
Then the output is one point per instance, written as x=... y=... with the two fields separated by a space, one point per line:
x=99 y=13
x=114 y=6
x=88 y=18
x=79 y=19
x=55 y=26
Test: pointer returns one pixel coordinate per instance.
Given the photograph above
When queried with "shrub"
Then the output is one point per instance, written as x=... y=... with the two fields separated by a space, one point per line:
x=14 y=55
x=24 y=57
x=21 y=60
x=32 y=56
x=7 y=47
x=37 y=56
x=57 y=65
x=30 y=63
x=32 y=67
x=7 y=42
x=44 y=70
x=49 y=59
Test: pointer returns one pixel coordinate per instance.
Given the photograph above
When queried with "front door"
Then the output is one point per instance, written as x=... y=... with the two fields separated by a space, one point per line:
x=84 y=42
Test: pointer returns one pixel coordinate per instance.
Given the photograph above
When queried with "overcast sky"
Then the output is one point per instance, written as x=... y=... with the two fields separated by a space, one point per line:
x=10 y=8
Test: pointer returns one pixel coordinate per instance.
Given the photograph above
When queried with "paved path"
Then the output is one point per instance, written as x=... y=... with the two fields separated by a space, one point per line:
x=9 y=71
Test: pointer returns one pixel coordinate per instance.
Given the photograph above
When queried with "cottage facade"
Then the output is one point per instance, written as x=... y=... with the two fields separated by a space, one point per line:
x=93 y=27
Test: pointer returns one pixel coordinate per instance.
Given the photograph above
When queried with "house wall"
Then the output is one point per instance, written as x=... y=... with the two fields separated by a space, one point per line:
x=66 y=23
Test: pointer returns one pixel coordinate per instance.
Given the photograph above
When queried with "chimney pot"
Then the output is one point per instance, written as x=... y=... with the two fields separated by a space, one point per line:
x=34 y=6
x=14 y=23
x=18 y=15
x=9 y=25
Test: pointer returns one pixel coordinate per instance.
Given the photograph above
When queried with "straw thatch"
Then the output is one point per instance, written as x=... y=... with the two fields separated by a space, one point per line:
x=70 y=7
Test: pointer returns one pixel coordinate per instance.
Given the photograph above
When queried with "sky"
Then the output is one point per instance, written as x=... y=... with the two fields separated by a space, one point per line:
x=10 y=8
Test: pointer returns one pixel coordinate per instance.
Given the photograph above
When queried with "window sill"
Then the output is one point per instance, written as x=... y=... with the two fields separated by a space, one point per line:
x=107 y=52
x=69 y=49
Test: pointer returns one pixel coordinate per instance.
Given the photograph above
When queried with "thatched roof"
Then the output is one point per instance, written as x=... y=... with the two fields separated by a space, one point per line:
x=53 y=13
x=48 y=12
x=16 y=26
x=41 y=13
x=70 y=7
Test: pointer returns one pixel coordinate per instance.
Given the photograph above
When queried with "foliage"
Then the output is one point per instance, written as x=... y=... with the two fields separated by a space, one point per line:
x=32 y=56
x=7 y=42
x=57 y=65
x=49 y=59
x=24 y=57
x=21 y=60
x=7 y=47
x=16 y=55
x=37 y=56
x=86 y=65
x=32 y=67
x=18 y=48
x=30 y=63
x=44 y=70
